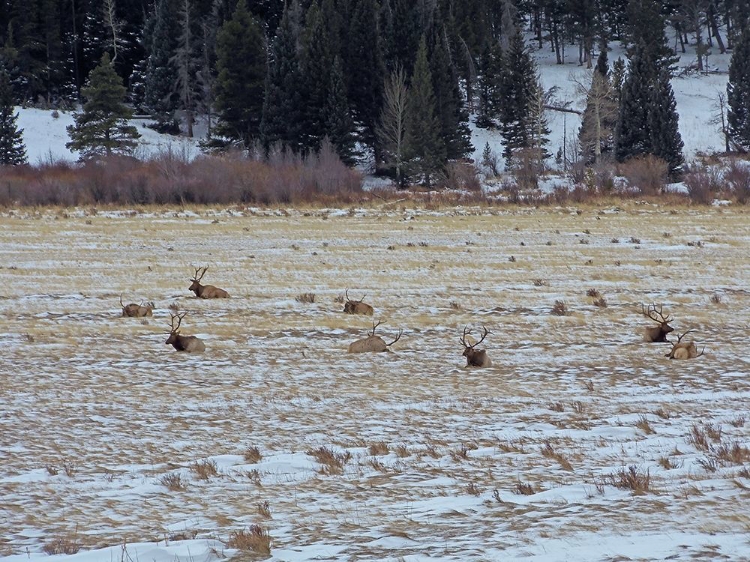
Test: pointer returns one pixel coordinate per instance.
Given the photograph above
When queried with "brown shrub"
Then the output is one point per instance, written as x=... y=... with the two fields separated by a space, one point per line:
x=461 y=176
x=701 y=183
x=646 y=173
x=737 y=177
x=253 y=539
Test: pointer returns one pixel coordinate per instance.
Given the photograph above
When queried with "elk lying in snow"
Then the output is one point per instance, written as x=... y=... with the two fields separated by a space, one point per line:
x=657 y=333
x=372 y=342
x=684 y=350
x=357 y=307
x=205 y=291
x=191 y=344
x=474 y=357
x=133 y=310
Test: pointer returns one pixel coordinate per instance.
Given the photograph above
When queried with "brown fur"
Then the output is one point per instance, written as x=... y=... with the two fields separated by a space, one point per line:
x=357 y=307
x=205 y=291
x=372 y=343
x=475 y=357
x=656 y=334
x=684 y=350
x=133 y=310
x=190 y=344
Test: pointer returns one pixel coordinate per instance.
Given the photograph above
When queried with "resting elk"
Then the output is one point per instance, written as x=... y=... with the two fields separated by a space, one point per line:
x=474 y=357
x=357 y=307
x=191 y=344
x=205 y=291
x=133 y=310
x=657 y=333
x=372 y=342
x=684 y=350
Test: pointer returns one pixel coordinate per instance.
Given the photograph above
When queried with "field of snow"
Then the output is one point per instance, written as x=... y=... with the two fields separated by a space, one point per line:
x=580 y=443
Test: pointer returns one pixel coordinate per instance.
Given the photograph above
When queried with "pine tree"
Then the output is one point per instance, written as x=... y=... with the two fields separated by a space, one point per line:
x=489 y=87
x=160 y=97
x=339 y=126
x=632 y=136
x=12 y=149
x=454 y=127
x=282 y=107
x=102 y=128
x=521 y=116
x=425 y=150
x=365 y=71
x=666 y=142
x=241 y=65
x=596 y=135
x=738 y=93
x=186 y=61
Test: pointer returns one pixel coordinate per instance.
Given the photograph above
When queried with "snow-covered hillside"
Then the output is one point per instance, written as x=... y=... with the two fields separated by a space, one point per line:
x=696 y=94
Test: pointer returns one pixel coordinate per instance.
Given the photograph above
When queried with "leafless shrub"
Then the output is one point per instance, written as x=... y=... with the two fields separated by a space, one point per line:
x=647 y=173
x=709 y=464
x=63 y=545
x=473 y=489
x=630 y=479
x=589 y=385
x=455 y=305
x=579 y=407
x=331 y=462
x=663 y=413
x=701 y=183
x=264 y=510
x=254 y=476
x=540 y=283
x=253 y=539
x=524 y=489
x=461 y=454
x=698 y=438
x=204 y=469
x=737 y=176
x=252 y=454
x=715 y=298
x=52 y=470
x=668 y=464
x=461 y=176
x=731 y=453
x=402 y=451
x=559 y=308
x=593 y=293
x=512 y=259
x=739 y=421
x=173 y=481
x=549 y=452
x=556 y=406
x=601 y=302
x=615 y=240
x=713 y=431
x=378 y=448
x=634 y=240
x=644 y=425
x=307 y=298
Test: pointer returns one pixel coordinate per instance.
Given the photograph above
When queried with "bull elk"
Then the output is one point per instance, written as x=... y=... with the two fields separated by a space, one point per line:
x=657 y=333
x=372 y=343
x=205 y=291
x=357 y=307
x=684 y=350
x=475 y=357
x=191 y=344
x=133 y=310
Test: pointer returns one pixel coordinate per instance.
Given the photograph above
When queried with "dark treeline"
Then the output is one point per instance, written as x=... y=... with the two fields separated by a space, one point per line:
x=389 y=81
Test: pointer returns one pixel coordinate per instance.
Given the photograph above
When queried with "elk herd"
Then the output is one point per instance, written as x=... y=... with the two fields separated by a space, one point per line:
x=372 y=343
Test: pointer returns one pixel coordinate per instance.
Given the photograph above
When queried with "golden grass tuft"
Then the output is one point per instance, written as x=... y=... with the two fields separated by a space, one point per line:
x=549 y=452
x=254 y=539
x=378 y=448
x=252 y=455
x=331 y=462
x=305 y=298
x=204 y=469
x=173 y=481
x=632 y=478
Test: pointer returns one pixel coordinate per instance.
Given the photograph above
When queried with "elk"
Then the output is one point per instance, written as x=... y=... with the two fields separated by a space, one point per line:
x=684 y=350
x=191 y=344
x=133 y=310
x=357 y=307
x=205 y=291
x=372 y=342
x=474 y=357
x=657 y=333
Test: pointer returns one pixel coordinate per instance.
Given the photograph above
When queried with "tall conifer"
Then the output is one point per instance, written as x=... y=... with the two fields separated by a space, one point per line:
x=738 y=93
x=12 y=148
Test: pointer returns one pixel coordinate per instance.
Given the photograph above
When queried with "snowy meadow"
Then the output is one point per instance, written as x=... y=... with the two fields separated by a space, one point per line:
x=581 y=442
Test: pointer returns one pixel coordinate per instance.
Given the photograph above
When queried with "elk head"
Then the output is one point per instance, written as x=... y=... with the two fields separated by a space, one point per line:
x=657 y=333
x=684 y=350
x=205 y=291
x=372 y=342
x=133 y=310
x=357 y=307
x=191 y=344
x=475 y=357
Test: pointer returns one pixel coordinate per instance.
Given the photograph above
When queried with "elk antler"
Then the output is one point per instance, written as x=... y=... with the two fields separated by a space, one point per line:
x=199 y=274
x=398 y=337
x=655 y=314
x=374 y=325
x=179 y=321
x=467 y=332
x=121 y=303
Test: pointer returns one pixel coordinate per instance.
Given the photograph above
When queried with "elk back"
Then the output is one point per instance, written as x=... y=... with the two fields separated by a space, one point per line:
x=355 y=307
x=368 y=344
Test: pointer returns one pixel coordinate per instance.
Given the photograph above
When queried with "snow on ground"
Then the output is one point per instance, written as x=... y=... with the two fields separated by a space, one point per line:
x=426 y=460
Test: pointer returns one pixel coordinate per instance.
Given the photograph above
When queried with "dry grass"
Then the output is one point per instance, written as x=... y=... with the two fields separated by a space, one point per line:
x=632 y=478
x=254 y=539
x=173 y=481
x=559 y=308
x=204 y=469
x=307 y=298
x=276 y=375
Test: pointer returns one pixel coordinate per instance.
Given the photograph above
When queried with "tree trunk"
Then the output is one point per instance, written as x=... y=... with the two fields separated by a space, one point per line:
x=715 y=27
